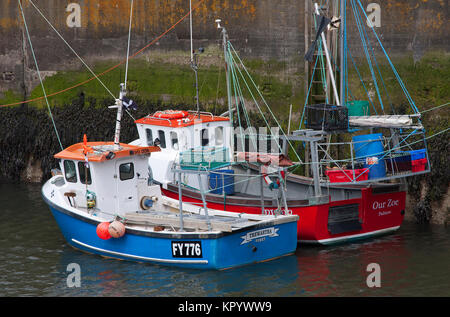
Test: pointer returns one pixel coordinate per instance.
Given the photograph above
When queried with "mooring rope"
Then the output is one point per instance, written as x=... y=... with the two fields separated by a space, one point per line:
x=115 y=66
x=39 y=74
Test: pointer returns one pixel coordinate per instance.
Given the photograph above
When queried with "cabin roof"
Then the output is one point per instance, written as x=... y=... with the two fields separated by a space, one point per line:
x=179 y=119
x=98 y=151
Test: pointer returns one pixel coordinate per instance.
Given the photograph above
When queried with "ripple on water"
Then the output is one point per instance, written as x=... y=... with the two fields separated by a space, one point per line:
x=414 y=261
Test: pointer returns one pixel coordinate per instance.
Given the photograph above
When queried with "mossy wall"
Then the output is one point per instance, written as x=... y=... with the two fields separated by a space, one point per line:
x=27 y=132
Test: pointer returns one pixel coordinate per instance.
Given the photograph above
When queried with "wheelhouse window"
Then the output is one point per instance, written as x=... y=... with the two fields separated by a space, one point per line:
x=204 y=137
x=149 y=135
x=70 y=172
x=174 y=140
x=82 y=171
x=162 y=138
x=126 y=171
x=219 y=135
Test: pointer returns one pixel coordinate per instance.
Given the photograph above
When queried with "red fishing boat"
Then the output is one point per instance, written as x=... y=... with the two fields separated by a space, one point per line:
x=357 y=186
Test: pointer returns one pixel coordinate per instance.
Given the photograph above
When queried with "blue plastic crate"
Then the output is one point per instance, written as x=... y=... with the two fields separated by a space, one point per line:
x=415 y=155
x=418 y=154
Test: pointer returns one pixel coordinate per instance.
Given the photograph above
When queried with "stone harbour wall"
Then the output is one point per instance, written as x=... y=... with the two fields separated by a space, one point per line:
x=268 y=29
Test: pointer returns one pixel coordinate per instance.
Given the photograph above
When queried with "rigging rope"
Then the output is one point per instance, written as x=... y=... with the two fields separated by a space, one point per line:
x=445 y=104
x=128 y=47
x=264 y=101
x=413 y=105
x=366 y=51
x=113 y=67
x=39 y=74
x=70 y=47
x=374 y=57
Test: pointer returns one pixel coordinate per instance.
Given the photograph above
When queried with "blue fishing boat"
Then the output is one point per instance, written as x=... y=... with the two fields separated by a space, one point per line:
x=104 y=203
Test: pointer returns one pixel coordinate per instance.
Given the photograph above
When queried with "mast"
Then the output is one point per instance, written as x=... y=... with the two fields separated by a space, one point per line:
x=194 y=65
x=227 y=75
x=342 y=49
x=119 y=106
x=190 y=28
x=327 y=55
x=227 y=72
x=123 y=88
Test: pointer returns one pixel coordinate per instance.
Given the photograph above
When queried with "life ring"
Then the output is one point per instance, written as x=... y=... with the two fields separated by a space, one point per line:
x=272 y=184
x=267 y=179
x=171 y=114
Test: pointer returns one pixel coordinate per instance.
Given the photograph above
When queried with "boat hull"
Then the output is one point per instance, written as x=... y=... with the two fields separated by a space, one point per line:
x=197 y=251
x=378 y=213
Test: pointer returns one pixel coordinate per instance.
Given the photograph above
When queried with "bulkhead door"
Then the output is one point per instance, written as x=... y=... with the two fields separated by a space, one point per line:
x=126 y=186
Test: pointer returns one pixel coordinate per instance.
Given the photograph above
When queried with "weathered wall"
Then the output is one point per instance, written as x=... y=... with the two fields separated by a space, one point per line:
x=98 y=29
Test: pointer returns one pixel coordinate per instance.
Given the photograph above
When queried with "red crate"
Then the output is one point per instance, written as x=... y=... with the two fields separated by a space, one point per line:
x=344 y=176
x=418 y=165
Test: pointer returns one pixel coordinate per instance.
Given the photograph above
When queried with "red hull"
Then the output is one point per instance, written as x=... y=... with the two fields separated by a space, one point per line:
x=378 y=214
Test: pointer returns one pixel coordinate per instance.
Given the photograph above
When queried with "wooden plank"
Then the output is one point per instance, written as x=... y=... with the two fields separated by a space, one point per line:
x=173 y=221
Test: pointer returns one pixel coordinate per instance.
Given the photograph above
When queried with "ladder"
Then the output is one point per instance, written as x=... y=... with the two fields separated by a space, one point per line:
x=319 y=78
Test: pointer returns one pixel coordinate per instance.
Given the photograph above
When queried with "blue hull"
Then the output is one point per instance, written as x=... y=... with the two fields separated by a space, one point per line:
x=199 y=251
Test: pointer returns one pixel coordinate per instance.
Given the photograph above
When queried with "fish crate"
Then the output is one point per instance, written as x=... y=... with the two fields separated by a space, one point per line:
x=399 y=162
x=326 y=117
x=419 y=165
x=204 y=158
x=344 y=176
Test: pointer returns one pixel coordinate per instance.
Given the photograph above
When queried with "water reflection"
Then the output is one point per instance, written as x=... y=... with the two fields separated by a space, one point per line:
x=414 y=261
x=342 y=270
x=109 y=277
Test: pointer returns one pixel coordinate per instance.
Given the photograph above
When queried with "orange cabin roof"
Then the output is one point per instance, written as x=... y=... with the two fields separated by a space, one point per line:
x=98 y=151
x=179 y=119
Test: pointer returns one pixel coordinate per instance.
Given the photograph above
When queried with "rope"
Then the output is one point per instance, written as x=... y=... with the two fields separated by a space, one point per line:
x=411 y=102
x=113 y=67
x=128 y=47
x=445 y=104
x=366 y=51
x=78 y=56
x=239 y=94
x=375 y=61
x=262 y=98
x=39 y=74
x=309 y=91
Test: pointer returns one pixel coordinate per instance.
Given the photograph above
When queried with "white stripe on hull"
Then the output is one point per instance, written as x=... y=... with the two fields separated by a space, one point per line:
x=351 y=237
x=140 y=257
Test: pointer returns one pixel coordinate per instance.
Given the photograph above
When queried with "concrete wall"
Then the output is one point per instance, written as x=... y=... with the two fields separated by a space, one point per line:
x=98 y=29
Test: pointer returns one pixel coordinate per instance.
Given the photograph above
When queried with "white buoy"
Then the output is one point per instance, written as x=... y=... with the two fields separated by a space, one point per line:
x=116 y=229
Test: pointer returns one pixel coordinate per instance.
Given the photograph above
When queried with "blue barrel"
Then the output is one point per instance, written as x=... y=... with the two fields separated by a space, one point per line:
x=219 y=179
x=369 y=149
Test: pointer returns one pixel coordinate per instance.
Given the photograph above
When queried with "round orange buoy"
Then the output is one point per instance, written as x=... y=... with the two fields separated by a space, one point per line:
x=102 y=231
x=116 y=229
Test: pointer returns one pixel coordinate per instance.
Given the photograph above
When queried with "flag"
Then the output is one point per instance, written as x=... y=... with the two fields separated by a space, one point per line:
x=323 y=23
x=129 y=104
x=335 y=23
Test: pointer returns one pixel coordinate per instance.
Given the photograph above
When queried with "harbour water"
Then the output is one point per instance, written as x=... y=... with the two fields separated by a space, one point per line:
x=36 y=261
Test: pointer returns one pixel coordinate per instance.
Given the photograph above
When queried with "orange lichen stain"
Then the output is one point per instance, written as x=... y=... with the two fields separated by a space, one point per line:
x=400 y=11
x=430 y=22
x=7 y=23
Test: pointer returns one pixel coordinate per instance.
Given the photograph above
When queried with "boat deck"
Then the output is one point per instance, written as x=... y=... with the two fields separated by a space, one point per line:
x=196 y=221
x=190 y=221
